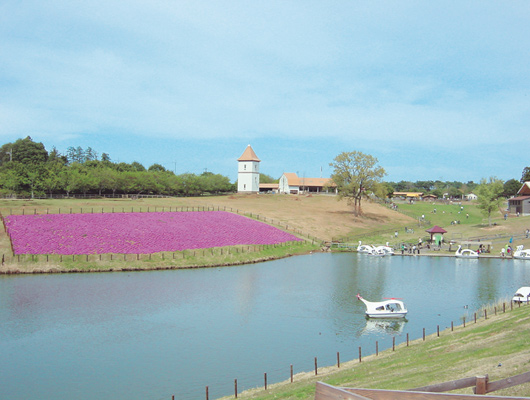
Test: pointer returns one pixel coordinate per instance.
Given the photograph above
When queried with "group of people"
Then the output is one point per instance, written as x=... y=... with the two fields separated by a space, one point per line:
x=411 y=249
x=506 y=251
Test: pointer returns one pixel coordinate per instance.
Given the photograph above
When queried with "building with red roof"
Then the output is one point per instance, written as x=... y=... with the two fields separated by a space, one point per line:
x=520 y=204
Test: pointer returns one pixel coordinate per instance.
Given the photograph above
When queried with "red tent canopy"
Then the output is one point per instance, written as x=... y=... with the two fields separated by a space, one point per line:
x=436 y=229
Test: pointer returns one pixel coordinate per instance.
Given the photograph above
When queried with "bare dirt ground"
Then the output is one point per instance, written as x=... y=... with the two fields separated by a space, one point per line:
x=321 y=216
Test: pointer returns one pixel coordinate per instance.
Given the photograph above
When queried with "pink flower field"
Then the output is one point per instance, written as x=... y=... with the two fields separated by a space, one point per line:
x=136 y=233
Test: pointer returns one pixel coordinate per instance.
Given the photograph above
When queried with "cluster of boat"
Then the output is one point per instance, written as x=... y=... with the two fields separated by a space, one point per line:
x=395 y=308
x=519 y=253
x=372 y=250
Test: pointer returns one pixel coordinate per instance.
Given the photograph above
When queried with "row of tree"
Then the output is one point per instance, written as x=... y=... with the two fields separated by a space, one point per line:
x=28 y=170
x=452 y=189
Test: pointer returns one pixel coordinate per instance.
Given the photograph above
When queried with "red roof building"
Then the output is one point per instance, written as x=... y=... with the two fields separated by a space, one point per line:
x=520 y=204
x=436 y=230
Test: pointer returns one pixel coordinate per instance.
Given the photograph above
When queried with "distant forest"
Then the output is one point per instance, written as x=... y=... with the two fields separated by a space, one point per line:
x=28 y=170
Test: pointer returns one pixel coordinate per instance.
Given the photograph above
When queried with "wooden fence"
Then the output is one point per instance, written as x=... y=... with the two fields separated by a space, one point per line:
x=481 y=386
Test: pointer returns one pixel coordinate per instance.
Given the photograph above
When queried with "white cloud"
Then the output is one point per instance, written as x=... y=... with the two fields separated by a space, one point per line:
x=439 y=74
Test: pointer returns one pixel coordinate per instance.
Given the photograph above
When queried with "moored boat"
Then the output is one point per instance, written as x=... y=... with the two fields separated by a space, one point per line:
x=521 y=254
x=388 y=308
x=386 y=249
x=465 y=253
x=522 y=295
x=365 y=248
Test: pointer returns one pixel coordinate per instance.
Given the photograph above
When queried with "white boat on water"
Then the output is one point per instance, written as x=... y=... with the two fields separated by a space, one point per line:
x=365 y=248
x=389 y=308
x=465 y=253
x=522 y=295
x=521 y=254
x=387 y=250
x=377 y=252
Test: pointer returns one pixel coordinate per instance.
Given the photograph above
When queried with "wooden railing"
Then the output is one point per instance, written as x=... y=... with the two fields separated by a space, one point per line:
x=481 y=386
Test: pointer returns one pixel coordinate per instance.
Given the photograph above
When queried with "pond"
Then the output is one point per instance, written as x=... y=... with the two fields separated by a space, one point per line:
x=149 y=335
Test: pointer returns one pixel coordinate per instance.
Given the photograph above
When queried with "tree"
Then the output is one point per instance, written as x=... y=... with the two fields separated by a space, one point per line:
x=105 y=157
x=52 y=181
x=355 y=174
x=9 y=181
x=136 y=166
x=526 y=175
x=511 y=187
x=489 y=194
x=263 y=178
x=24 y=151
x=75 y=155
x=454 y=193
x=157 y=168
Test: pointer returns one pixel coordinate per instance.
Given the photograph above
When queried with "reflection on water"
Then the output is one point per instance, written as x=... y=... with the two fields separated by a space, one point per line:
x=148 y=335
x=389 y=327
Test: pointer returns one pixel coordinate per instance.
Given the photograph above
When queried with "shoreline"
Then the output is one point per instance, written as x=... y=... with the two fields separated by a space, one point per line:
x=56 y=269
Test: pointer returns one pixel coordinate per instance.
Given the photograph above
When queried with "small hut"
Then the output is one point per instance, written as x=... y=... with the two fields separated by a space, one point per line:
x=436 y=234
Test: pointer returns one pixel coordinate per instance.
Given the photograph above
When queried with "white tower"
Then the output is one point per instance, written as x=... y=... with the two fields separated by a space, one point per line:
x=248 y=172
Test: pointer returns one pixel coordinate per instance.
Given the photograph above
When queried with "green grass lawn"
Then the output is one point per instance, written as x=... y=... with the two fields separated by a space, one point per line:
x=443 y=214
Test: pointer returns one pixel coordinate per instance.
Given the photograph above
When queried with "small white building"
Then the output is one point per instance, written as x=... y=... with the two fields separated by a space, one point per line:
x=248 y=172
x=471 y=196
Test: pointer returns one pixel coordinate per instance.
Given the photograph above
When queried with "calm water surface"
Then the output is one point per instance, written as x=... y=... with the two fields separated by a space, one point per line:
x=149 y=335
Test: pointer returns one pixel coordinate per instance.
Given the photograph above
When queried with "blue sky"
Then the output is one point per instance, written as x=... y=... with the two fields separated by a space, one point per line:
x=433 y=90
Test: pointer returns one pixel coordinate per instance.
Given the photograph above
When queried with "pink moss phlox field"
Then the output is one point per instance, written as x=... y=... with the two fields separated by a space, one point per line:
x=136 y=233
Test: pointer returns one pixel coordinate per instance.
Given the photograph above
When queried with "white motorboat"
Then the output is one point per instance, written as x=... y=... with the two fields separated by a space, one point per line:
x=389 y=308
x=465 y=253
x=522 y=295
x=365 y=248
x=521 y=254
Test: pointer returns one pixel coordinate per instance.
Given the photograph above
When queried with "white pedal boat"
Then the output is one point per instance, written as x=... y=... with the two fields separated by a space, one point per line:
x=389 y=308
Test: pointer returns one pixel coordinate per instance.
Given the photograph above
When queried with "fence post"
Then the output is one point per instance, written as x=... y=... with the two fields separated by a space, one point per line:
x=291 y=373
x=316 y=367
x=338 y=360
x=481 y=384
x=235 y=387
